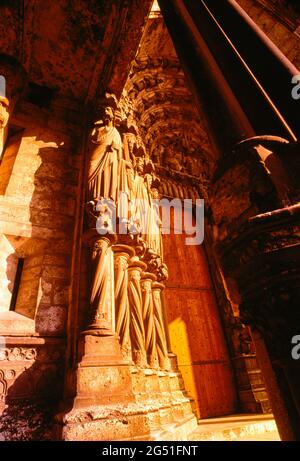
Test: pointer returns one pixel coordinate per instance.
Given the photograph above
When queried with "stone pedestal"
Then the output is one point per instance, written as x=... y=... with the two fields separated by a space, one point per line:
x=102 y=376
x=99 y=348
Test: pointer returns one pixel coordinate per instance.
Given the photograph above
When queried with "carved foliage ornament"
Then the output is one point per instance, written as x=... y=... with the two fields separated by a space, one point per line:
x=17 y=353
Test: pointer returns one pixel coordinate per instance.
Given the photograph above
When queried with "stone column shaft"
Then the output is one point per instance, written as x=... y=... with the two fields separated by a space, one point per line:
x=137 y=329
x=148 y=316
x=122 y=254
x=101 y=315
x=161 y=338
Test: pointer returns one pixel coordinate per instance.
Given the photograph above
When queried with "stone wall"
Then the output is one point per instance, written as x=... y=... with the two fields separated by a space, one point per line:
x=39 y=190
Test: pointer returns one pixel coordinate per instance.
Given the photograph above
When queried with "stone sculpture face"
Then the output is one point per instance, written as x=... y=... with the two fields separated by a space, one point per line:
x=108 y=114
x=139 y=165
x=3 y=112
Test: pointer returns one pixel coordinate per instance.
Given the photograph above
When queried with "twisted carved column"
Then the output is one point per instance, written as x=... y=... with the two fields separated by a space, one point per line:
x=122 y=253
x=161 y=340
x=101 y=312
x=148 y=316
x=137 y=330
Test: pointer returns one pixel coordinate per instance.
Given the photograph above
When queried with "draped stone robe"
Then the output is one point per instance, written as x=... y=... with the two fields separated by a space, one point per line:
x=104 y=162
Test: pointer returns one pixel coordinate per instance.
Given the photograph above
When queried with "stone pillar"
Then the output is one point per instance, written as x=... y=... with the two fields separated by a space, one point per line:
x=161 y=339
x=137 y=329
x=101 y=313
x=148 y=316
x=4 y=116
x=122 y=254
x=100 y=357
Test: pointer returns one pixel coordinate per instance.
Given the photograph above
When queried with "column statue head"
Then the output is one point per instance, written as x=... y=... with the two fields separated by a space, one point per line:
x=4 y=115
x=108 y=114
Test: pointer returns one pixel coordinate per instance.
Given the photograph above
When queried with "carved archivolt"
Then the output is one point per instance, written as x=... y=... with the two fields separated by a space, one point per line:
x=158 y=99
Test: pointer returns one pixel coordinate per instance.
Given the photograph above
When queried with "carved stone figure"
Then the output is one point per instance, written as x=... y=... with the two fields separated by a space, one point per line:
x=192 y=166
x=154 y=237
x=4 y=116
x=141 y=198
x=110 y=172
x=104 y=158
x=101 y=302
x=173 y=159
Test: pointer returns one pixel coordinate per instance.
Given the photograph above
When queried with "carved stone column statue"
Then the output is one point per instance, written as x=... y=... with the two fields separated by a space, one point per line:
x=104 y=158
x=12 y=82
x=109 y=172
x=148 y=316
x=100 y=356
x=4 y=116
x=137 y=329
x=122 y=253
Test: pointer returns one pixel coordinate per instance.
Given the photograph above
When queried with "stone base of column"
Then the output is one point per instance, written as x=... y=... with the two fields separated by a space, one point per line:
x=121 y=423
x=102 y=388
x=99 y=349
x=113 y=403
x=102 y=376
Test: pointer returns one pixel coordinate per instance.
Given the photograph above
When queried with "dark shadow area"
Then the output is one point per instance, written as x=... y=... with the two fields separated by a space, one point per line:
x=33 y=390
